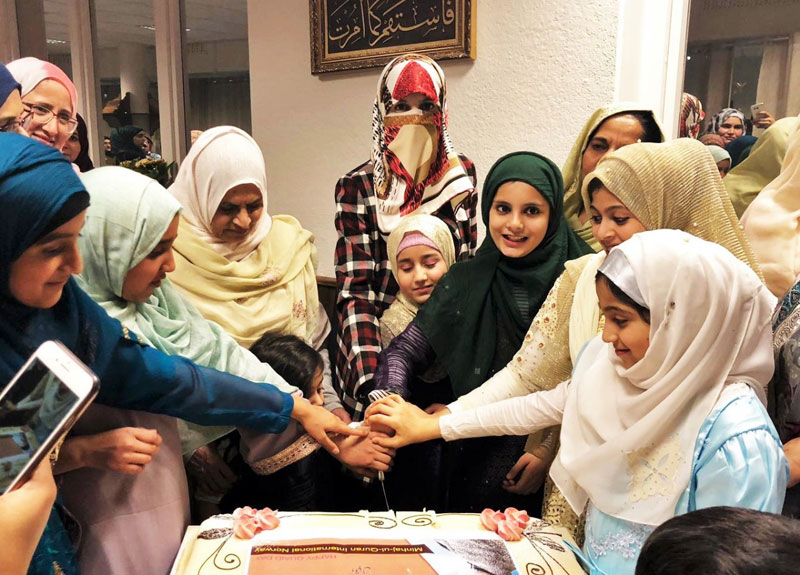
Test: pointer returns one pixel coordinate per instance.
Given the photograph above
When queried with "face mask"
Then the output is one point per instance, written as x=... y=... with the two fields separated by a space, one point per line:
x=416 y=146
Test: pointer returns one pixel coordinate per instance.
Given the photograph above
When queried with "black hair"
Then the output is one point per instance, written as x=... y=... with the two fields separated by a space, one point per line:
x=723 y=541
x=594 y=185
x=615 y=290
x=292 y=358
x=650 y=131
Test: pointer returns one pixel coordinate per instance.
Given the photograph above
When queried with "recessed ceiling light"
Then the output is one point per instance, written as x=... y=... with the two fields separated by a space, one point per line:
x=52 y=41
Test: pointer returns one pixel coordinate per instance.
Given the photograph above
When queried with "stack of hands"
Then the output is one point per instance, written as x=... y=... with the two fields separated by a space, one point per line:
x=401 y=423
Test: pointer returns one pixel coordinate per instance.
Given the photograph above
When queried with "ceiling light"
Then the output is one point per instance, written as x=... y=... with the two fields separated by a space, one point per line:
x=52 y=41
x=147 y=27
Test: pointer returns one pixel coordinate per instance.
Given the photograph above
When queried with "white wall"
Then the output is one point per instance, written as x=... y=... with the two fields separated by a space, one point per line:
x=541 y=69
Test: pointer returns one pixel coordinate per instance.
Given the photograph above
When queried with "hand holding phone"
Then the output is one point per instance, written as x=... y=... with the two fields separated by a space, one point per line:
x=39 y=406
x=761 y=117
x=23 y=516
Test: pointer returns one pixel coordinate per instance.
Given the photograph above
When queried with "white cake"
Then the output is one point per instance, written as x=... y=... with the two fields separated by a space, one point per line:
x=367 y=543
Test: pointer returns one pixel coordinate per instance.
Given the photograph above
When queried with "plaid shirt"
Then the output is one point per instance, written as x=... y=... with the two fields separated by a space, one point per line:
x=364 y=280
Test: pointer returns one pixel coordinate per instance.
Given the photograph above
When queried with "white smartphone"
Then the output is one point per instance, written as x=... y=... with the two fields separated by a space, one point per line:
x=756 y=109
x=40 y=404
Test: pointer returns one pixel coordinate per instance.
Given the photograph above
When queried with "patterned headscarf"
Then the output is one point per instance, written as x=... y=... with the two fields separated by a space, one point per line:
x=721 y=117
x=446 y=180
x=691 y=116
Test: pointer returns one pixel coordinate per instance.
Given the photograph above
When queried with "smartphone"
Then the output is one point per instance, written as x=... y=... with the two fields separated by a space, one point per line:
x=756 y=109
x=39 y=406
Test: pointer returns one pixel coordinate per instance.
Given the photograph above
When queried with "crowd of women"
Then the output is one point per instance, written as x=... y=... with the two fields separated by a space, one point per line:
x=619 y=349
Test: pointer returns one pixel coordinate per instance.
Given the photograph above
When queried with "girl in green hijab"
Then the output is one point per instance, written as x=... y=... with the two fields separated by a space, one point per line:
x=480 y=310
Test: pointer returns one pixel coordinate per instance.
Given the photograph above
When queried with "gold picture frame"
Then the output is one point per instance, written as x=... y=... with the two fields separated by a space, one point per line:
x=353 y=34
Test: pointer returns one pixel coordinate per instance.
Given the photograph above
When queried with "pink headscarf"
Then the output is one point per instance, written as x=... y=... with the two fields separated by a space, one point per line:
x=30 y=71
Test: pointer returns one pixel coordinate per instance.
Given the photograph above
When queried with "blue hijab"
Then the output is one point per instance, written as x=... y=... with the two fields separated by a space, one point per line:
x=7 y=84
x=39 y=191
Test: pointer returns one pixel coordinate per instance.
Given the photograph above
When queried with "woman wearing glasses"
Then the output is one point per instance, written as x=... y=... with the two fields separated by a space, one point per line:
x=49 y=101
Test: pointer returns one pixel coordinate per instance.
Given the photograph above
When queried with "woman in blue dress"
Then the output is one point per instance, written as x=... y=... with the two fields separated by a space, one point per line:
x=45 y=204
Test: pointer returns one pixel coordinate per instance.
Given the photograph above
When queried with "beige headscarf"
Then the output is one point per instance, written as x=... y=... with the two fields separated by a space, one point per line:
x=771 y=223
x=397 y=317
x=221 y=158
x=267 y=282
x=572 y=167
x=748 y=178
x=628 y=435
x=675 y=185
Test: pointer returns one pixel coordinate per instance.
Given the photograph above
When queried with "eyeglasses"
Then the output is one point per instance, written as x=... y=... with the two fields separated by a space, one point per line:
x=11 y=127
x=42 y=115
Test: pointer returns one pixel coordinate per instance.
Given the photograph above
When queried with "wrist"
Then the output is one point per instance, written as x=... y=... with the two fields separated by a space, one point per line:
x=300 y=408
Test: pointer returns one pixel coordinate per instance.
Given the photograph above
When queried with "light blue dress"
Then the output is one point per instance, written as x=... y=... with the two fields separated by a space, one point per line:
x=738 y=461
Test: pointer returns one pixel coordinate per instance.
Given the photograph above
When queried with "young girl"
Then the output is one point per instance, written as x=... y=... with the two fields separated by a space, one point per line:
x=479 y=312
x=658 y=408
x=640 y=187
x=295 y=361
x=420 y=253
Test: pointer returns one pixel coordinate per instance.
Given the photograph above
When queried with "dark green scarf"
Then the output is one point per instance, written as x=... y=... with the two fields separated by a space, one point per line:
x=461 y=318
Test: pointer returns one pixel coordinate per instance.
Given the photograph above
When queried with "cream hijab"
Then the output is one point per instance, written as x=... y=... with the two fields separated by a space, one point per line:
x=628 y=435
x=771 y=223
x=747 y=179
x=397 y=317
x=220 y=159
x=267 y=282
x=675 y=185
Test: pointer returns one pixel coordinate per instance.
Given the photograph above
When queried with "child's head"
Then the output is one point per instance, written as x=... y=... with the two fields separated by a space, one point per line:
x=724 y=540
x=522 y=203
x=627 y=325
x=721 y=158
x=295 y=361
x=612 y=221
x=420 y=252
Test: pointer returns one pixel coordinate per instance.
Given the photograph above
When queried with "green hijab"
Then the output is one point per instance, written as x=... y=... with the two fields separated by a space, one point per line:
x=475 y=299
x=129 y=215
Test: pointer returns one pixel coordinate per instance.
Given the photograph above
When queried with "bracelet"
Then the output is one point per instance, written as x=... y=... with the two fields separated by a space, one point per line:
x=56 y=450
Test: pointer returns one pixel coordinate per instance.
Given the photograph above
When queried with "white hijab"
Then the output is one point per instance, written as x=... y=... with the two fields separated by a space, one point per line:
x=771 y=223
x=220 y=159
x=628 y=435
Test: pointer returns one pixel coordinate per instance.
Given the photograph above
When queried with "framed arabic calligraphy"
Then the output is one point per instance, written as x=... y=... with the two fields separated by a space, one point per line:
x=351 y=34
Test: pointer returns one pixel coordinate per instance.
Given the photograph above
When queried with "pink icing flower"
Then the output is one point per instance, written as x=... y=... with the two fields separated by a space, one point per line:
x=244 y=527
x=509 y=524
x=247 y=522
x=509 y=530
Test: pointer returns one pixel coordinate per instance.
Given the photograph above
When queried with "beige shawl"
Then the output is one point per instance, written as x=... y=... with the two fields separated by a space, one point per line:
x=772 y=223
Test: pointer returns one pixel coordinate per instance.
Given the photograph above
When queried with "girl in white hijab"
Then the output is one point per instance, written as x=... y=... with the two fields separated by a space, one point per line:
x=657 y=407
